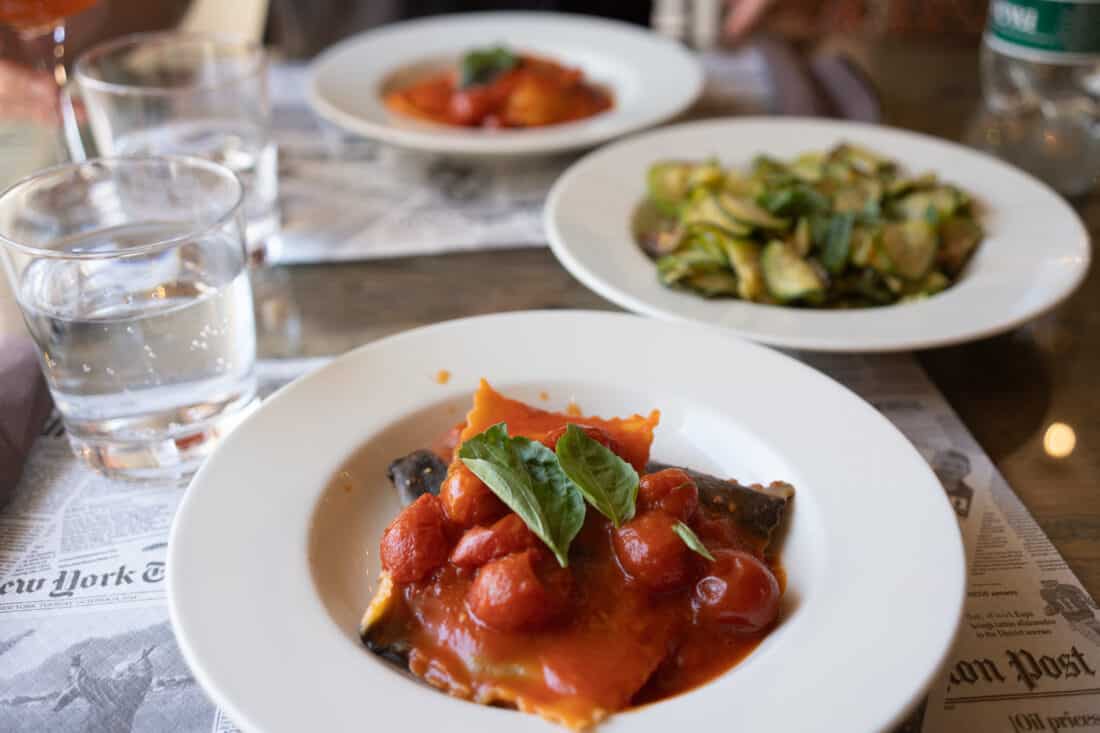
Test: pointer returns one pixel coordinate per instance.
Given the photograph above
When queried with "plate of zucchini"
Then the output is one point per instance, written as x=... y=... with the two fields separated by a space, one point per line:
x=816 y=234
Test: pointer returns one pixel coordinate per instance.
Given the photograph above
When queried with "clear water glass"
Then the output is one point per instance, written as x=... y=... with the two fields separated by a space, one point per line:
x=184 y=94
x=131 y=274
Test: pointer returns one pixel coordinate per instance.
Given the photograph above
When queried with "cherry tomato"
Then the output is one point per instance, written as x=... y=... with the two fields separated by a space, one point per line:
x=415 y=543
x=738 y=592
x=651 y=554
x=718 y=531
x=523 y=591
x=466 y=500
x=550 y=440
x=446 y=445
x=592 y=538
x=481 y=544
x=470 y=106
x=670 y=490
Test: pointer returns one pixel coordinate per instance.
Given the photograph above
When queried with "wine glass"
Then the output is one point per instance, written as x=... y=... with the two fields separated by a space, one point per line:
x=29 y=122
x=41 y=26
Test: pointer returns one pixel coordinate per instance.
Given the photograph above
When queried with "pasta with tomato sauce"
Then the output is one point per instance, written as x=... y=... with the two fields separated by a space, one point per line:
x=495 y=88
x=552 y=567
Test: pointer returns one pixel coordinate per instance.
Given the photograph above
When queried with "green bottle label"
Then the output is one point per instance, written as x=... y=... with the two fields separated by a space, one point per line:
x=1064 y=31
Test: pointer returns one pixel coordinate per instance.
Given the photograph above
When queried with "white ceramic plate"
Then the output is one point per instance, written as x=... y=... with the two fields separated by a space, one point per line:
x=1036 y=250
x=269 y=573
x=651 y=78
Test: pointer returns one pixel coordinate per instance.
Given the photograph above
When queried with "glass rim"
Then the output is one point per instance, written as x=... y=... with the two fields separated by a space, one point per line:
x=232 y=209
x=136 y=40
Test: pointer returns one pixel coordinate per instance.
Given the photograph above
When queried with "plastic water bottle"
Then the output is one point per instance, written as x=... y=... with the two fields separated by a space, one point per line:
x=1041 y=82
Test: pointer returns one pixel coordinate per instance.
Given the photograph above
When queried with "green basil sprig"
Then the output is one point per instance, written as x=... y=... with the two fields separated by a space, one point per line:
x=607 y=482
x=482 y=65
x=525 y=474
x=692 y=540
x=548 y=489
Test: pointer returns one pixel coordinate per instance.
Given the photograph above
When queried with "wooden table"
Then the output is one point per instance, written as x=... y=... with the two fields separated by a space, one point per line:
x=1008 y=389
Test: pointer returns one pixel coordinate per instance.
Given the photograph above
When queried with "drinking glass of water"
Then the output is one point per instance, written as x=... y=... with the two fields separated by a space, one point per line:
x=132 y=278
x=184 y=94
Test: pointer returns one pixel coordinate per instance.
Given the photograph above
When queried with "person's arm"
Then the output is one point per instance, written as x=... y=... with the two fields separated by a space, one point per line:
x=29 y=93
x=890 y=17
x=26 y=94
x=744 y=15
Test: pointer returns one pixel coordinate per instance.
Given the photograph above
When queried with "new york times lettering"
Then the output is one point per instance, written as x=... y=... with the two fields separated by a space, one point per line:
x=70 y=582
x=154 y=572
x=19 y=586
x=1029 y=668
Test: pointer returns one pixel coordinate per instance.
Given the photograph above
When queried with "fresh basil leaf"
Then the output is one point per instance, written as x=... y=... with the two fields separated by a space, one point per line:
x=526 y=476
x=837 y=243
x=692 y=540
x=608 y=482
x=482 y=65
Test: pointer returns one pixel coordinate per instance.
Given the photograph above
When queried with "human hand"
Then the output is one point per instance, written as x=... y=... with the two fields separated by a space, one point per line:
x=742 y=16
x=26 y=94
x=795 y=19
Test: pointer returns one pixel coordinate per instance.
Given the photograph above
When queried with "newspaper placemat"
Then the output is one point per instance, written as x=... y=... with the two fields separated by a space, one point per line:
x=85 y=642
x=344 y=197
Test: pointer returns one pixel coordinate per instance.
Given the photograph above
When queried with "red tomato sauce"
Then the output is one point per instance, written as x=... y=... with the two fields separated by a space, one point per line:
x=636 y=616
x=536 y=93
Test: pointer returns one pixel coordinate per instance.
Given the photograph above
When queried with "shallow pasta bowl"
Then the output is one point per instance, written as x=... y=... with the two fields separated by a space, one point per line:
x=273 y=554
x=651 y=79
x=1035 y=253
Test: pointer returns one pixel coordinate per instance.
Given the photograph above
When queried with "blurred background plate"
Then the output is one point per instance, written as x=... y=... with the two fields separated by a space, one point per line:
x=652 y=79
x=1035 y=253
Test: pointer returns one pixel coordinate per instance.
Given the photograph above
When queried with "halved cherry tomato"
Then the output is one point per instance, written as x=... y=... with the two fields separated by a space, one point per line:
x=550 y=440
x=520 y=592
x=738 y=592
x=446 y=445
x=467 y=500
x=481 y=544
x=651 y=554
x=415 y=543
x=670 y=490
